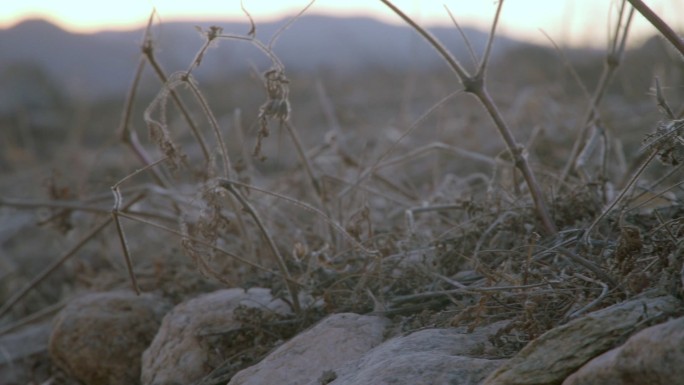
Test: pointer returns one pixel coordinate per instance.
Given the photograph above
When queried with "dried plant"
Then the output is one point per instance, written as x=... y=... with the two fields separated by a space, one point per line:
x=369 y=229
x=475 y=85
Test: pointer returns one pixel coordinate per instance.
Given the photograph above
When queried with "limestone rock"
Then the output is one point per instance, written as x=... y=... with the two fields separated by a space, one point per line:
x=183 y=350
x=432 y=356
x=334 y=341
x=98 y=338
x=652 y=356
x=559 y=352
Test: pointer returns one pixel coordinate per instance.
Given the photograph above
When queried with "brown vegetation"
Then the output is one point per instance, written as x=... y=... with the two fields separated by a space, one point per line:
x=385 y=194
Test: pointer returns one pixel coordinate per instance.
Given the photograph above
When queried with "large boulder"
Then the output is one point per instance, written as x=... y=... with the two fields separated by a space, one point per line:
x=653 y=356
x=99 y=338
x=192 y=336
x=431 y=356
x=311 y=355
x=556 y=354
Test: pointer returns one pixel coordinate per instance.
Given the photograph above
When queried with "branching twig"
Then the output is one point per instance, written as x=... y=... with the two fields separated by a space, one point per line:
x=475 y=85
x=227 y=167
x=612 y=62
x=632 y=180
x=302 y=205
x=280 y=261
x=660 y=25
x=126 y=133
x=116 y=209
x=148 y=52
x=589 y=265
x=596 y=301
x=68 y=254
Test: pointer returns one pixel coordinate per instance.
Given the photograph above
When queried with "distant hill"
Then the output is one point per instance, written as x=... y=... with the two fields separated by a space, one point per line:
x=101 y=64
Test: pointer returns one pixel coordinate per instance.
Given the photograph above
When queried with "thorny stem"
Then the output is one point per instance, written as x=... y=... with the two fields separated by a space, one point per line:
x=475 y=85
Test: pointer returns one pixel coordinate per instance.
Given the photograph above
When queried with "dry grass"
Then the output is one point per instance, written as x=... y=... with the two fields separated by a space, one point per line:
x=388 y=221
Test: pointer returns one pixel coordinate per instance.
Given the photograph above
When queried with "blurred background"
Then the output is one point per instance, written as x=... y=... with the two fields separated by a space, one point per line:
x=65 y=67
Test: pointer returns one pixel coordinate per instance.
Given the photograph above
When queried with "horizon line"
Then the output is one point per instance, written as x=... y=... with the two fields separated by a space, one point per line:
x=136 y=26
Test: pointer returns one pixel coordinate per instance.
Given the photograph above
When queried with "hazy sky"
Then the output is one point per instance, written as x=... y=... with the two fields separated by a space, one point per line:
x=570 y=21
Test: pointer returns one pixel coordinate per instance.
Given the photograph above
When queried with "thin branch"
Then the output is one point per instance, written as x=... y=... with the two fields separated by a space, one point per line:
x=246 y=261
x=490 y=41
x=623 y=193
x=252 y=25
x=302 y=205
x=662 y=102
x=469 y=46
x=476 y=85
x=258 y=44
x=589 y=265
x=436 y=44
x=56 y=264
x=148 y=51
x=280 y=261
x=612 y=62
x=371 y=170
x=592 y=304
x=116 y=209
x=467 y=290
x=227 y=167
x=287 y=25
x=660 y=25
x=126 y=134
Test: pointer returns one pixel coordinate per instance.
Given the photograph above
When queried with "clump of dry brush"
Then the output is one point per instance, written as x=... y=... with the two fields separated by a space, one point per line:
x=487 y=247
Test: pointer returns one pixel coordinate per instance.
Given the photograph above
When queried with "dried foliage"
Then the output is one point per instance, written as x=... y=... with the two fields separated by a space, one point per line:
x=351 y=228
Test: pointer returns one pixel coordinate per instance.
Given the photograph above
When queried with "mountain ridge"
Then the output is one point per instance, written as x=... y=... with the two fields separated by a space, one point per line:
x=102 y=63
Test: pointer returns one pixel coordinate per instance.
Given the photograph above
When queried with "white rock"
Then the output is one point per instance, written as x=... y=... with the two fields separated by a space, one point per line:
x=559 y=352
x=432 y=356
x=179 y=354
x=334 y=341
x=652 y=356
